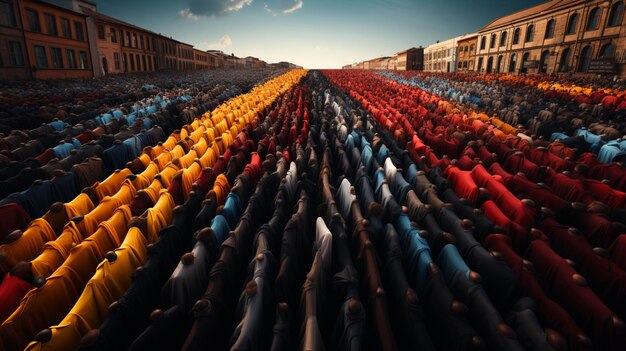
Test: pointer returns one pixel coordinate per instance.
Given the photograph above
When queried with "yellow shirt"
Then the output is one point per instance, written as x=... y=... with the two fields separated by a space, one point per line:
x=29 y=245
x=56 y=252
x=112 y=184
x=160 y=215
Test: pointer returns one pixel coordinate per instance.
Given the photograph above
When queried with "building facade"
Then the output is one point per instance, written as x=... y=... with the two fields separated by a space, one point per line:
x=54 y=39
x=13 y=59
x=440 y=57
x=184 y=57
x=557 y=37
x=200 y=59
x=466 y=52
x=410 y=60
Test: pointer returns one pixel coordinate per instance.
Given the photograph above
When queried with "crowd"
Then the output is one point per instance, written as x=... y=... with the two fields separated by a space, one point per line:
x=338 y=210
x=587 y=119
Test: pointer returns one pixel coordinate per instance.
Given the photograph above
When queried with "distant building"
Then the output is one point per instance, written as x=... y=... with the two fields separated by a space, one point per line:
x=466 y=52
x=201 y=59
x=410 y=60
x=14 y=62
x=440 y=57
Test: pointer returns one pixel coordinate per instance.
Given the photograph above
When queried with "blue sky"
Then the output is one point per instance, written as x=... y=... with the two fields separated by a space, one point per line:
x=311 y=33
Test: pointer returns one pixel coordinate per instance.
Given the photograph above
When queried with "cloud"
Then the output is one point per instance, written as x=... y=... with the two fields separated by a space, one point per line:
x=186 y=13
x=286 y=7
x=224 y=42
x=212 y=8
x=295 y=7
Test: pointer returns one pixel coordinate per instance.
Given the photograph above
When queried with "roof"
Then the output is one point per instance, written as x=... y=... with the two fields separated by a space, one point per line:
x=105 y=18
x=537 y=10
x=60 y=8
x=407 y=50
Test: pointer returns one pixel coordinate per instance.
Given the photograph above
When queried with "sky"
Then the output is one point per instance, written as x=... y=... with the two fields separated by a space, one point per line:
x=311 y=33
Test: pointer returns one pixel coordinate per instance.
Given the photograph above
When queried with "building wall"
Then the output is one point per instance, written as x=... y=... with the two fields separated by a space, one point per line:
x=41 y=40
x=466 y=54
x=549 y=55
x=184 y=56
x=13 y=59
x=201 y=59
x=440 y=57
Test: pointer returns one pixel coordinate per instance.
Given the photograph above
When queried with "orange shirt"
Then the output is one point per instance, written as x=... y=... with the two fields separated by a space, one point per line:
x=101 y=213
x=112 y=184
x=160 y=215
x=29 y=245
x=56 y=252
x=221 y=189
x=80 y=206
x=107 y=285
x=144 y=178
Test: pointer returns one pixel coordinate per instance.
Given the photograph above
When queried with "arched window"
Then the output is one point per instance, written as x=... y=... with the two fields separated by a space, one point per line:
x=516 y=36
x=503 y=39
x=617 y=14
x=543 y=61
x=480 y=64
x=492 y=43
x=489 y=64
x=550 y=29
x=607 y=51
x=572 y=24
x=593 y=19
x=566 y=57
x=499 y=67
x=471 y=49
x=530 y=33
x=585 y=59
x=524 y=60
x=512 y=63
x=483 y=41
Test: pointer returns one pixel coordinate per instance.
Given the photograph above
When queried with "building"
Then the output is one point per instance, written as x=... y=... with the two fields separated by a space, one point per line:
x=466 y=52
x=42 y=40
x=201 y=59
x=184 y=56
x=559 y=36
x=13 y=59
x=166 y=53
x=410 y=60
x=122 y=47
x=440 y=57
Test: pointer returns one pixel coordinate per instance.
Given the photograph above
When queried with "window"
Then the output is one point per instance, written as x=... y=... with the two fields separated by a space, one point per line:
x=51 y=24
x=101 y=33
x=135 y=40
x=78 y=28
x=566 y=57
x=41 y=59
x=483 y=43
x=503 y=39
x=141 y=41
x=550 y=29
x=84 y=63
x=492 y=43
x=71 y=58
x=572 y=24
x=593 y=19
x=543 y=61
x=512 y=63
x=516 y=34
x=57 y=58
x=66 y=30
x=127 y=38
x=460 y=65
x=585 y=59
x=125 y=62
x=32 y=17
x=138 y=63
x=113 y=35
x=617 y=14
x=7 y=15
x=132 y=62
x=16 y=54
x=116 y=60
x=471 y=49
x=143 y=59
x=530 y=33
x=607 y=51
